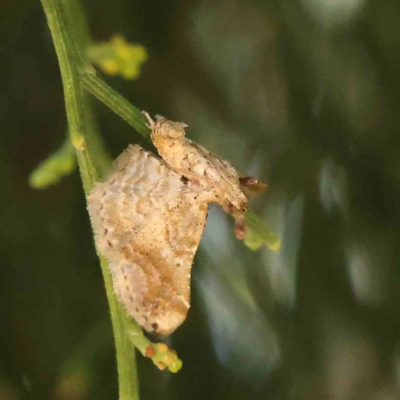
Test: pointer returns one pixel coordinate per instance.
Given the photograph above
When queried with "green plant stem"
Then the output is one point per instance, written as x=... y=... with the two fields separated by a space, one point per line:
x=74 y=12
x=262 y=232
x=68 y=59
x=117 y=103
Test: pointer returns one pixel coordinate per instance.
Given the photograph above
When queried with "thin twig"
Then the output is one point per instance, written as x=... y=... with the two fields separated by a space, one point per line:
x=68 y=58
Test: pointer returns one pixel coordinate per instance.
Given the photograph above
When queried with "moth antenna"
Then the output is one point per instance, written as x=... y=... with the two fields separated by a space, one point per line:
x=151 y=123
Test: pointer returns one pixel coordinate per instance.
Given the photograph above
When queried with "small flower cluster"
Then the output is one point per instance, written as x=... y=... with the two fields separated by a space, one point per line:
x=118 y=57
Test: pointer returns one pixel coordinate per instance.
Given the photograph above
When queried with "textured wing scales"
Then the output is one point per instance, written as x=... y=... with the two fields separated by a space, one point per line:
x=148 y=223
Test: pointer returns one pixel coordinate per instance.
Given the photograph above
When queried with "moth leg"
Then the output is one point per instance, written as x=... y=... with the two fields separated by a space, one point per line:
x=238 y=216
x=240 y=226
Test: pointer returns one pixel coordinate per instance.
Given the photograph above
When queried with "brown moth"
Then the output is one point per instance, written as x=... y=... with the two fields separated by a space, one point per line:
x=149 y=214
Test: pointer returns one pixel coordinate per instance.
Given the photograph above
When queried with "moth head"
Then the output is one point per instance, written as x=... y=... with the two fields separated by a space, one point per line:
x=168 y=129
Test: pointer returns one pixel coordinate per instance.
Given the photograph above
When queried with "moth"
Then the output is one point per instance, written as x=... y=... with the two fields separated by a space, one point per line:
x=149 y=215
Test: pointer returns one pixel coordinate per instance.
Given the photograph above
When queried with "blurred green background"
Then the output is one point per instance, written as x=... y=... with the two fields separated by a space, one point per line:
x=304 y=95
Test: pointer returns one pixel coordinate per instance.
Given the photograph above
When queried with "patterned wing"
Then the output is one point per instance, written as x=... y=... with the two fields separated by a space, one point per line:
x=148 y=222
x=195 y=162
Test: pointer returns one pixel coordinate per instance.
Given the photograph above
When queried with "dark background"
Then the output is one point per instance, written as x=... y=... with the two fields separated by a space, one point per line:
x=303 y=94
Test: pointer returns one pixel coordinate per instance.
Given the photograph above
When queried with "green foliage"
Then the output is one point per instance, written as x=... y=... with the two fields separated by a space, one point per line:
x=259 y=234
x=118 y=57
x=59 y=164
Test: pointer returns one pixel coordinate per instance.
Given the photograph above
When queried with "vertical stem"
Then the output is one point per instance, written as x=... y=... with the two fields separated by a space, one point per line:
x=70 y=65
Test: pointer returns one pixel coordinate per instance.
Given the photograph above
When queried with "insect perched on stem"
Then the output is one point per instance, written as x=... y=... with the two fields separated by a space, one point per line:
x=149 y=215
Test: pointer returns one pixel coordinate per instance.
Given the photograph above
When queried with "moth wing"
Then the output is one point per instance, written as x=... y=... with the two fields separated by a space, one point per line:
x=148 y=223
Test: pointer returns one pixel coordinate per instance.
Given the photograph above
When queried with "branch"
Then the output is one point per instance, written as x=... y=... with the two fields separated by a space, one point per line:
x=75 y=101
x=116 y=102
